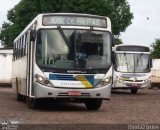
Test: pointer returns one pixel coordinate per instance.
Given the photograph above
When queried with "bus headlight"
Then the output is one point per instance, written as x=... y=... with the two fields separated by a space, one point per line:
x=42 y=80
x=106 y=81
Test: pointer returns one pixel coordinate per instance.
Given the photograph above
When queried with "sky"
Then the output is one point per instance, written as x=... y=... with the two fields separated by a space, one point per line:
x=6 y=5
x=145 y=27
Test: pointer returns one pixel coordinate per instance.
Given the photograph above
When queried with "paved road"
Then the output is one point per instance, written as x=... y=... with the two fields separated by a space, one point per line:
x=123 y=108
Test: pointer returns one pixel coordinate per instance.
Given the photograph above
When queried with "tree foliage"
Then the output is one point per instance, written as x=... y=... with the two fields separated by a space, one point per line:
x=117 y=10
x=156 y=49
x=118 y=41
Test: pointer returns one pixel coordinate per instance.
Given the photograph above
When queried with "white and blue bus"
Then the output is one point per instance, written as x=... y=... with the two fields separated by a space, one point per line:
x=132 y=67
x=64 y=56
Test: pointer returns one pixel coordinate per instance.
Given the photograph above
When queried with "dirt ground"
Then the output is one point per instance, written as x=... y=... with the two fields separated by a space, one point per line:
x=123 y=108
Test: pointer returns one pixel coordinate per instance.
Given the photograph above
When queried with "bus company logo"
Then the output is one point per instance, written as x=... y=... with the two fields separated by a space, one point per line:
x=76 y=71
x=134 y=79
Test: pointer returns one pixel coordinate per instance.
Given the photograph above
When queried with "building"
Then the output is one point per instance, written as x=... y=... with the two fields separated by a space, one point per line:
x=6 y=55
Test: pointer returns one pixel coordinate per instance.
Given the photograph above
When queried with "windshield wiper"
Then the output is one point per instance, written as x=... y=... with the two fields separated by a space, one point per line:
x=139 y=58
x=126 y=60
x=64 y=37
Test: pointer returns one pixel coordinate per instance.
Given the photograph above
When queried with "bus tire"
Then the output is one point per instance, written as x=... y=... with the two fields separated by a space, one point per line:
x=134 y=90
x=19 y=97
x=93 y=104
x=31 y=102
x=151 y=86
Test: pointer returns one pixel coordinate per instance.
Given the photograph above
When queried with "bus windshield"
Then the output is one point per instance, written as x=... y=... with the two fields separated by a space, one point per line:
x=132 y=63
x=73 y=49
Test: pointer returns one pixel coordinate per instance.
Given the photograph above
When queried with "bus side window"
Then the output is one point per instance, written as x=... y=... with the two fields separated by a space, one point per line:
x=16 y=50
x=21 y=48
x=25 y=45
x=14 y=47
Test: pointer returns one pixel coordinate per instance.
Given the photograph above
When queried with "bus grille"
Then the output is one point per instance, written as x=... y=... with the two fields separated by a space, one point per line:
x=134 y=81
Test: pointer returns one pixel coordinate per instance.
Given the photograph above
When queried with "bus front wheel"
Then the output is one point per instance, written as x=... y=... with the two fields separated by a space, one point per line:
x=93 y=104
x=134 y=90
x=19 y=97
x=31 y=102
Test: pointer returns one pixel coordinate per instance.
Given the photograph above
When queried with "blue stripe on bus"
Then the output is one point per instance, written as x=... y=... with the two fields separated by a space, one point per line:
x=90 y=78
x=61 y=77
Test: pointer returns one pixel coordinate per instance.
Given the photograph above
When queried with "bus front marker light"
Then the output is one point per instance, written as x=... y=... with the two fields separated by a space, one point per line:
x=36 y=76
x=46 y=81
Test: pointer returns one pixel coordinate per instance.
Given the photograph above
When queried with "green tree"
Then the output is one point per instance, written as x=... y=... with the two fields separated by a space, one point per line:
x=117 y=10
x=156 y=49
x=117 y=40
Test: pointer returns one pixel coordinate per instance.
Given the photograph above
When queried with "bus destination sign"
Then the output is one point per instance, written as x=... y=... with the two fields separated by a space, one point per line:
x=74 y=21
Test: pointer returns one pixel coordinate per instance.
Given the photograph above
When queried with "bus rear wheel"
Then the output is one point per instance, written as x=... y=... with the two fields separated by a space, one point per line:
x=31 y=102
x=93 y=104
x=134 y=90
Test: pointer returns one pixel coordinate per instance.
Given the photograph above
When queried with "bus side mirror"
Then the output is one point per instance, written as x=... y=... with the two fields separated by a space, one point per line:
x=151 y=63
x=32 y=35
x=113 y=58
x=113 y=41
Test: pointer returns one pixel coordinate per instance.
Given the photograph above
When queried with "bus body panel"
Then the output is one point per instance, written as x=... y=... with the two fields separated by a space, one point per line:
x=19 y=75
x=27 y=73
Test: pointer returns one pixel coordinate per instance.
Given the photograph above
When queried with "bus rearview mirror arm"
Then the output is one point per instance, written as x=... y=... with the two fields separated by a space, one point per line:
x=32 y=35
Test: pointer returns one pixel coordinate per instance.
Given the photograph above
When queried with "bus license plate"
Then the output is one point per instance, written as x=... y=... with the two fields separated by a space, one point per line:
x=134 y=85
x=74 y=93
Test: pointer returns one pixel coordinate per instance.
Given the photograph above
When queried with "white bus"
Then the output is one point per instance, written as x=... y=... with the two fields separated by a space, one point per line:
x=64 y=56
x=132 y=67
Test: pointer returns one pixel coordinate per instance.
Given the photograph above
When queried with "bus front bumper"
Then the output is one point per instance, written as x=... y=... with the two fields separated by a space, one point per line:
x=128 y=85
x=41 y=91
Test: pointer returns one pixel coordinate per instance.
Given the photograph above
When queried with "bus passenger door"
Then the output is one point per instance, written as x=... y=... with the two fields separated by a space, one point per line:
x=30 y=57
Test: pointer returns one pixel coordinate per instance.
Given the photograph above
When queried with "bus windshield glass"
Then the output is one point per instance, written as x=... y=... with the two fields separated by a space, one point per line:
x=132 y=63
x=73 y=49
